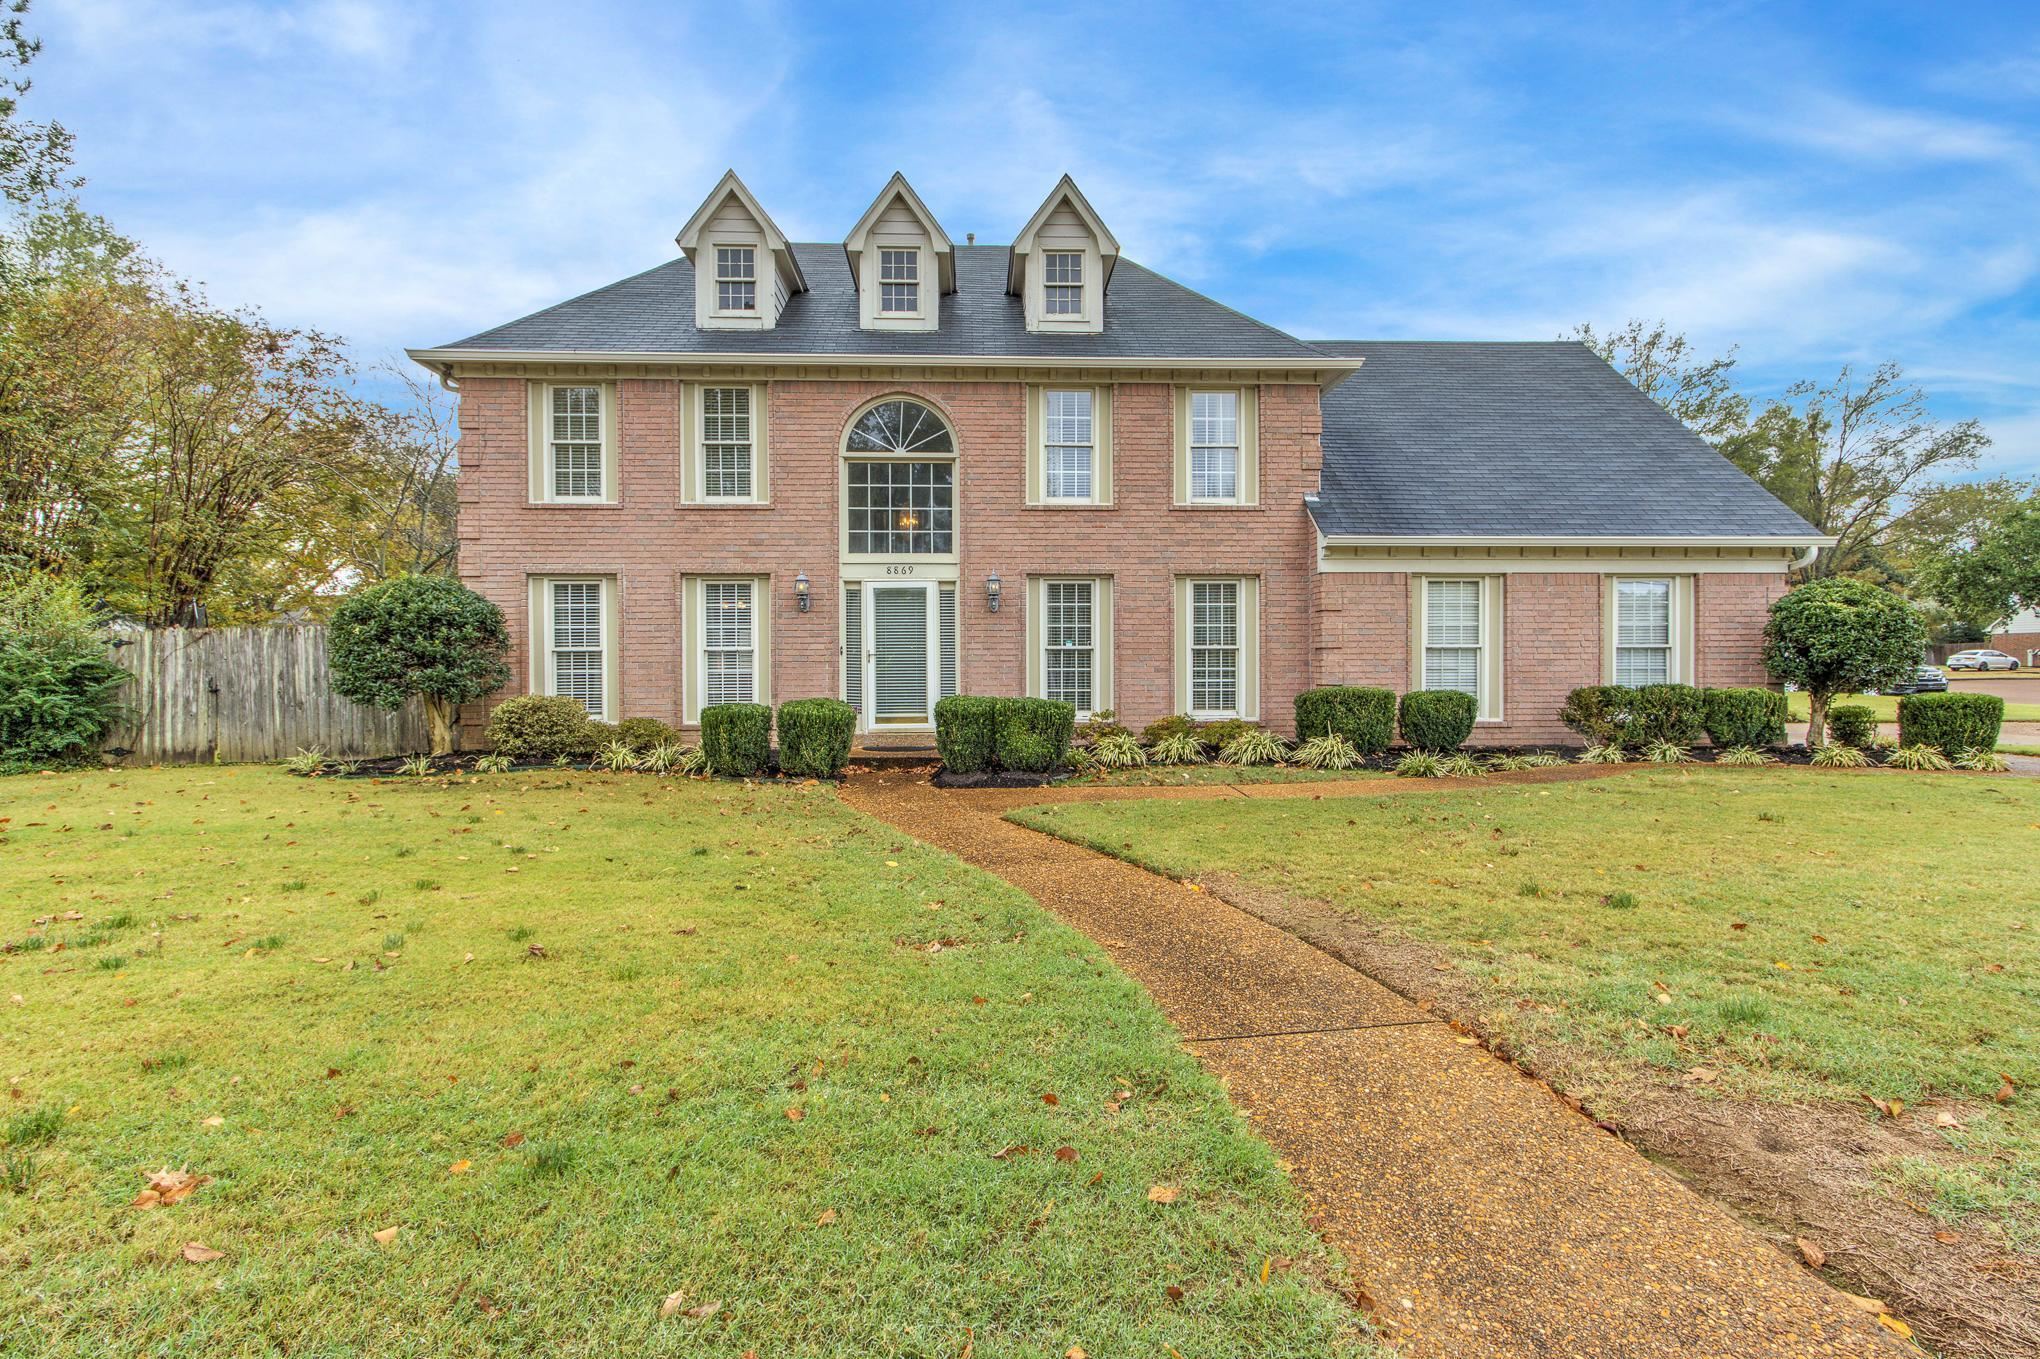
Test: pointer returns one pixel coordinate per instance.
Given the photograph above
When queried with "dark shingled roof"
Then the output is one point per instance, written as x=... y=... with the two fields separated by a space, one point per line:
x=1146 y=316
x=1546 y=440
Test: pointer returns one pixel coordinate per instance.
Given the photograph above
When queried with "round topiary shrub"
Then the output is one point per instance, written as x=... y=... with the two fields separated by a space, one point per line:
x=428 y=636
x=1666 y=712
x=1841 y=635
x=1747 y=719
x=1599 y=713
x=57 y=687
x=967 y=732
x=536 y=727
x=1033 y=734
x=643 y=734
x=814 y=737
x=1853 y=724
x=1437 y=719
x=1951 y=723
x=1364 y=717
x=737 y=738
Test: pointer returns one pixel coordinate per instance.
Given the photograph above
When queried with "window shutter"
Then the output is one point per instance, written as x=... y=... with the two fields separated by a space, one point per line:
x=946 y=605
x=853 y=646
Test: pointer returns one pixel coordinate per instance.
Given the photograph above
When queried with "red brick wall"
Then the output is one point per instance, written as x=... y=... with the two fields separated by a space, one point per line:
x=1551 y=639
x=649 y=541
x=2015 y=644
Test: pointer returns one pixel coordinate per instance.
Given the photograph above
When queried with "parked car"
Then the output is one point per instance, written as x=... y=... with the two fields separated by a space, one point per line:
x=1926 y=679
x=1982 y=659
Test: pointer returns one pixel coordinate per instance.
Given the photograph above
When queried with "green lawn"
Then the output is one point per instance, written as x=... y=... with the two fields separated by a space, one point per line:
x=1197 y=775
x=1818 y=936
x=1886 y=706
x=586 y=1042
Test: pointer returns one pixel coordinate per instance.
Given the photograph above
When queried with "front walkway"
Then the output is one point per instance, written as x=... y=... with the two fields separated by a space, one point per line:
x=1482 y=1217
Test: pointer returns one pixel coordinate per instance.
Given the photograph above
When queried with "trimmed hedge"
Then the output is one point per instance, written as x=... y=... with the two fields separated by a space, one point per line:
x=1853 y=724
x=536 y=727
x=736 y=738
x=1365 y=717
x=1599 y=713
x=1033 y=734
x=1174 y=725
x=1436 y=719
x=814 y=736
x=643 y=733
x=1666 y=712
x=967 y=732
x=1745 y=717
x=1951 y=723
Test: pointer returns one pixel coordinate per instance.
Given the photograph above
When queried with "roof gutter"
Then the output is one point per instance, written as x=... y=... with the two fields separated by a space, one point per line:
x=1327 y=368
x=1812 y=542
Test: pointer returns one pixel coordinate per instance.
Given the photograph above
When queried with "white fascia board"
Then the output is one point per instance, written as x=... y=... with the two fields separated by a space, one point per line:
x=1326 y=370
x=1573 y=540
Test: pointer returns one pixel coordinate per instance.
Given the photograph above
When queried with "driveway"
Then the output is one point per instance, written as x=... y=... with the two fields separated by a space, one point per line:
x=1482 y=1216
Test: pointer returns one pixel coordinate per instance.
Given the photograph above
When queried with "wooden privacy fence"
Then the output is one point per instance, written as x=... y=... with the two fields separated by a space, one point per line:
x=253 y=693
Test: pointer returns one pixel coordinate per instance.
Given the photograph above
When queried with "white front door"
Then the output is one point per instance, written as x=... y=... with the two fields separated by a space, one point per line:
x=902 y=658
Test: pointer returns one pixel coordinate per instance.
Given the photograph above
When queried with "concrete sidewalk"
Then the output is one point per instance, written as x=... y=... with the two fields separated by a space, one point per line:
x=1482 y=1217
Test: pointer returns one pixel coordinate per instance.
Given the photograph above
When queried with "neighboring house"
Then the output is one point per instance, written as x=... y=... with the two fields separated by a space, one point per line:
x=896 y=467
x=2019 y=636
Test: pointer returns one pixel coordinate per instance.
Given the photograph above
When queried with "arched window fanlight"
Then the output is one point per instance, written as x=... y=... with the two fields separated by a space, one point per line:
x=900 y=427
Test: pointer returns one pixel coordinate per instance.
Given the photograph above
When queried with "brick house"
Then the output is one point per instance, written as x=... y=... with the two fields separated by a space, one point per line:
x=896 y=467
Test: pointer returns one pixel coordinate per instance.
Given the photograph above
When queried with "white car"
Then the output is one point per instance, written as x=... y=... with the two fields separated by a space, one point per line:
x=1981 y=660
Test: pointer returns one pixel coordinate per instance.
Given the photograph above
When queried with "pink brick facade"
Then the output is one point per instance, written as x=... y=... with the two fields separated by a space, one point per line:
x=1314 y=627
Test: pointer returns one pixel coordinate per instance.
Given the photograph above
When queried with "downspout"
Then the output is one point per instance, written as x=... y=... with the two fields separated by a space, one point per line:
x=448 y=381
x=1804 y=559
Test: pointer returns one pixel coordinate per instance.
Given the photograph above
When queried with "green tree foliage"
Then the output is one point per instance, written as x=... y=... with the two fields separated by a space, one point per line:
x=1841 y=636
x=1994 y=575
x=35 y=158
x=419 y=635
x=58 y=690
x=1665 y=367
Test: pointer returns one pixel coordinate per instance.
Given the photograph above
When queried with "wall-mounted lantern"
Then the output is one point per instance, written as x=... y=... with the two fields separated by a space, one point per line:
x=800 y=590
x=992 y=592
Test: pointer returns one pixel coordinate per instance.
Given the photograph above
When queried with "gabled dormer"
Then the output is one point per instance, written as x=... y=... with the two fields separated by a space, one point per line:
x=1061 y=261
x=900 y=261
x=744 y=271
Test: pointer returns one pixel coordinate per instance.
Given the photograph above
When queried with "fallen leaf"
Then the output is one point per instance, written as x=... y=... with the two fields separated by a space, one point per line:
x=1050 y=1099
x=1947 y=1238
x=2003 y=1095
x=672 y=1303
x=1815 y=1257
x=385 y=1236
x=1702 y=1075
x=1893 y=1324
x=1875 y=1305
x=535 y=950
x=1065 y=1153
x=460 y=1167
x=167 y=1186
x=513 y=1139
x=828 y=1218
x=1162 y=1193
x=1174 y=1292
x=706 y=1309
x=1947 y=1119
x=1075 y=1352
x=795 y=1115
x=213 y=1122
x=198 y=1253
x=1888 y=1108
x=1008 y=1153
x=1267 y=1262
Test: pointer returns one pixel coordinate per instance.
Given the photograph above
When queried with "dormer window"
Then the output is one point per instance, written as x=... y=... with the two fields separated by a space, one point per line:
x=899 y=282
x=736 y=278
x=1062 y=277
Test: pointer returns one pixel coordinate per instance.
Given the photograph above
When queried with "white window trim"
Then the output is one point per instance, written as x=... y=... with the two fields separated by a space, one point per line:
x=1681 y=614
x=1082 y=285
x=919 y=281
x=701 y=442
x=1492 y=655
x=1237 y=446
x=716 y=308
x=1093 y=497
x=548 y=478
x=694 y=640
x=544 y=678
x=1239 y=650
x=1093 y=590
x=701 y=647
x=1246 y=448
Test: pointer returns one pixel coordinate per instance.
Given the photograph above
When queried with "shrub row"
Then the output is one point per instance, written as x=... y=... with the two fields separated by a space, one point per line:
x=1950 y=723
x=814 y=734
x=1430 y=719
x=1615 y=715
x=976 y=734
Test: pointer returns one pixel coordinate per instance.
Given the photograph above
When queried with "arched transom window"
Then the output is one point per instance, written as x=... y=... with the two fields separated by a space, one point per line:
x=900 y=482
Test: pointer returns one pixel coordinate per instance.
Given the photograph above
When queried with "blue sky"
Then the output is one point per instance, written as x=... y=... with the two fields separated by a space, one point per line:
x=1818 y=184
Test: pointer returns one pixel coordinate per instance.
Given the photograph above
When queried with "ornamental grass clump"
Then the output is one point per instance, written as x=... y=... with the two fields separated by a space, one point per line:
x=1420 y=764
x=1118 y=750
x=1667 y=752
x=1604 y=754
x=1919 y=757
x=1177 y=747
x=1253 y=746
x=1462 y=766
x=1835 y=755
x=1983 y=761
x=618 y=757
x=493 y=764
x=1745 y=757
x=1330 y=751
x=306 y=762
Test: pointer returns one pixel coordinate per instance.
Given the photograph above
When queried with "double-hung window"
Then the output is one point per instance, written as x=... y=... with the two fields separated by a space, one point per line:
x=736 y=278
x=899 y=282
x=1214 y=648
x=728 y=444
x=573 y=442
x=1454 y=635
x=576 y=648
x=1068 y=446
x=1643 y=632
x=1062 y=283
x=1214 y=446
x=1069 y=643
x=729 y=642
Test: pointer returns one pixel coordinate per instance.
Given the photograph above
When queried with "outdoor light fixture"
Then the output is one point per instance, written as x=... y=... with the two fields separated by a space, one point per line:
x=992 y=592
x=800 y=590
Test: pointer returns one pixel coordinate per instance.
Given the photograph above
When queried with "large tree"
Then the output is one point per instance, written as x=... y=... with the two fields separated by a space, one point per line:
x=1856 y=458
x=1841 y=636
x=1666 y=368
x=35 y=158
x=1994 y=575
